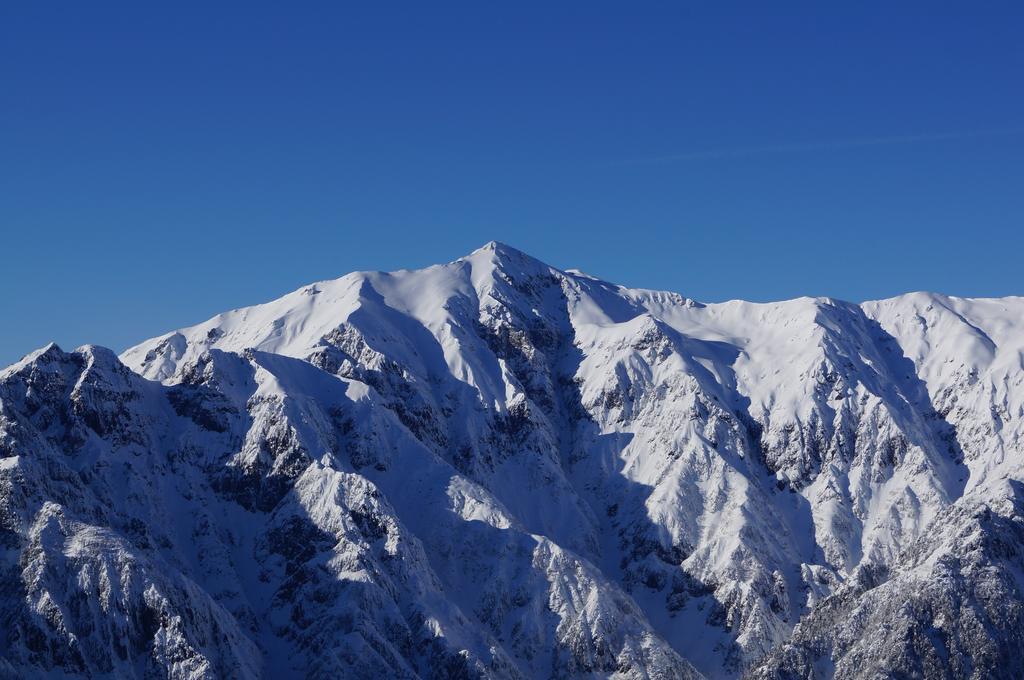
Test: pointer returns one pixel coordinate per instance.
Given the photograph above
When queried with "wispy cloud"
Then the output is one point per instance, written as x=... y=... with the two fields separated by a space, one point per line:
x=824 y=145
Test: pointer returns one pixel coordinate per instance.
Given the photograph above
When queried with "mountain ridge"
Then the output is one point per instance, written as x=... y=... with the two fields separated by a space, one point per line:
x=496 y=468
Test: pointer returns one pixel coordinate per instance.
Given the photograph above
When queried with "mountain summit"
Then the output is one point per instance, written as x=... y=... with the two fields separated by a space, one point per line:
x=494 y=468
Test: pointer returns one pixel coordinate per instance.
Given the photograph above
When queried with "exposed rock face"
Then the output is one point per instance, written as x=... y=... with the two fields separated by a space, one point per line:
x=493 y=468
x=951 y=606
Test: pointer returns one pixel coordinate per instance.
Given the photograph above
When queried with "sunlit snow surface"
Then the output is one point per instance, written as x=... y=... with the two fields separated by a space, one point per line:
x=494 y=468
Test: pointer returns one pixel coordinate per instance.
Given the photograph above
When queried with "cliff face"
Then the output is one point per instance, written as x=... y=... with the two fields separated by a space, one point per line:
x=492 y=468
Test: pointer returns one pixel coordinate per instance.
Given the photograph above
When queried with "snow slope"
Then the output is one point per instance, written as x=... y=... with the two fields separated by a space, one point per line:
x=493 y=468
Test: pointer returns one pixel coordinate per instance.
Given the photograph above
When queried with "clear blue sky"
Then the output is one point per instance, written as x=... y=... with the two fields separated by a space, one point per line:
x=161 y=162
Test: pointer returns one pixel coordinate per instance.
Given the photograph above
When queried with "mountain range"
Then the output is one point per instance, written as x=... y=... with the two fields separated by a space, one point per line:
x=493 y=468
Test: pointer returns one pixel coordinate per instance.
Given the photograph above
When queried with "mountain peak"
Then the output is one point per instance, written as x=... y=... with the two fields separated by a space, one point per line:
x=497 y=256
x=49 y=352
x=504 y=253
x=496 y=246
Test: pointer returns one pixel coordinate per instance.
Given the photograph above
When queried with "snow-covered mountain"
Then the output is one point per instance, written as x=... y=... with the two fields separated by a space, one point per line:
x=493 y=468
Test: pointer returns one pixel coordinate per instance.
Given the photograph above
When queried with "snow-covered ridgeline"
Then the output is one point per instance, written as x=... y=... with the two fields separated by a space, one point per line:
x=496 y=468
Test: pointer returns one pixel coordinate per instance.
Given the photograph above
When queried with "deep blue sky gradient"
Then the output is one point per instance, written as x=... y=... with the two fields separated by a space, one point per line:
x=161 y=162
